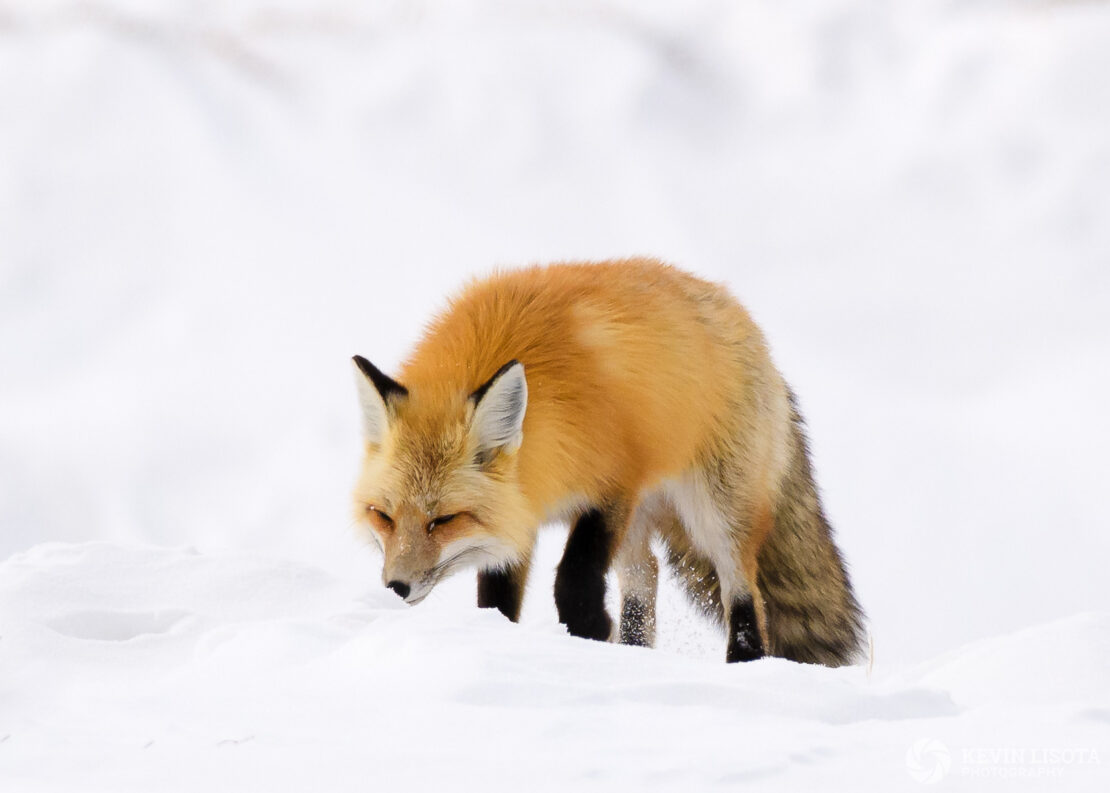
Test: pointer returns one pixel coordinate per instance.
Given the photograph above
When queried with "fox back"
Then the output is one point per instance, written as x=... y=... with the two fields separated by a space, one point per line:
x=630 y=398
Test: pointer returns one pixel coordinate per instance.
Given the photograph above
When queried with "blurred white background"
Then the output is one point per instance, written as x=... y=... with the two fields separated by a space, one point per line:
x=207 y=207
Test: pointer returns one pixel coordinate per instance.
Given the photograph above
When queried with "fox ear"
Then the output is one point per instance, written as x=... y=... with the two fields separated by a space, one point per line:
x=499 y=410
x=378 y=395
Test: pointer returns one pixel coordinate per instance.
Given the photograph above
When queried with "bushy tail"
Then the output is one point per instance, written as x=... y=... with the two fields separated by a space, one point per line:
x=812 y=614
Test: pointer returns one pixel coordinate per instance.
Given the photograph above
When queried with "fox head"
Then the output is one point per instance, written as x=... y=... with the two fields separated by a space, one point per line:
x=438 y=489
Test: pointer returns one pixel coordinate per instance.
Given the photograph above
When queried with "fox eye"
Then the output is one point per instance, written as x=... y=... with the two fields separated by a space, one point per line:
x=442 y=519
x=372 y=510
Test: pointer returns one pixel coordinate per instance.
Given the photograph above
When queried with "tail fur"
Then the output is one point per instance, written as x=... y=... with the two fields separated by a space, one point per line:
x=812 y=614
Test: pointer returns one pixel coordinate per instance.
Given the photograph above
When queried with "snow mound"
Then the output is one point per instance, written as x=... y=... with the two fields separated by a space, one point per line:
x=167 y=669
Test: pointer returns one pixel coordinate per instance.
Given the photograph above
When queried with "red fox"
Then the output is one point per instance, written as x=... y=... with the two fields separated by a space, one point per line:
x=634 y=401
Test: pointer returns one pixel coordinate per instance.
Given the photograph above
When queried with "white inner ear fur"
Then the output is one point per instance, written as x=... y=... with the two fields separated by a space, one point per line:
x=375 y=416
x=499 y=418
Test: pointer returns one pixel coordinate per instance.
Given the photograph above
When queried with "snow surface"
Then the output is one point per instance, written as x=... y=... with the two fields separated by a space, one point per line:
x=207 y=207
x=161 y=669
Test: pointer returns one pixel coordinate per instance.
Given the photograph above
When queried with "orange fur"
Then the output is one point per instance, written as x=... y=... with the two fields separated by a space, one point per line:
x=648 y=391
x=619 y=397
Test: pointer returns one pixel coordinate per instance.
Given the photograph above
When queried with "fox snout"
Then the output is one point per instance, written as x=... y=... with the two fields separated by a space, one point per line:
x=411 y=590
x=408 y=582
x=400 y=587
x=409 y=569
x=411 y=582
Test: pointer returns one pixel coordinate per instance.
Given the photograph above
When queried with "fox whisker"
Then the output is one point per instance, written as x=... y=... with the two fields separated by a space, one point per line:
x=654 y=411
x=442 y=570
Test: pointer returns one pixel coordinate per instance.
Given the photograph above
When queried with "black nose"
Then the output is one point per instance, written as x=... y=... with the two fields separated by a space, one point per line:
x=400 y=587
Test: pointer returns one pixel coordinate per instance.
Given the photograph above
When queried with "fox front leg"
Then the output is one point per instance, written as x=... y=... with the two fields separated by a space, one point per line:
x=580 y=579
x=503 y=589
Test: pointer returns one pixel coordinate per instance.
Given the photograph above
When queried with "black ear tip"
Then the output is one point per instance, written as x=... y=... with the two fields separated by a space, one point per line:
x=386 y=386
x=511 y=364
x=480 y=392
x=365 y=366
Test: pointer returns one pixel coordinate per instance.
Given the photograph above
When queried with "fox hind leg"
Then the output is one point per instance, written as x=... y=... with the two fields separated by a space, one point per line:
x=747 y=617
x=744 y=643
x=638 y=574
x=639 y=583
x=743 y=617
x=720 y=529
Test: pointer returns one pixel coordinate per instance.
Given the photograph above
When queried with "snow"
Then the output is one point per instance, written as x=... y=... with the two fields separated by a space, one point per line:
x=206 y=208
x=155 y=668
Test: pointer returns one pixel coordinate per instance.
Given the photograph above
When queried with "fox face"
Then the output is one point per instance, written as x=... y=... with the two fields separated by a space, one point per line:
x=437 y=489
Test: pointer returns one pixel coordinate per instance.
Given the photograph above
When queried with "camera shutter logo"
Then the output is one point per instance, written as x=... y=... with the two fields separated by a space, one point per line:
x=928 y=761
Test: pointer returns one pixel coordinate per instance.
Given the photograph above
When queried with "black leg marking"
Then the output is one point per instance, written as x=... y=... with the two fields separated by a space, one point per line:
x=502 y=590
x=580 y=579
x=743 y=633
x=634 y=622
